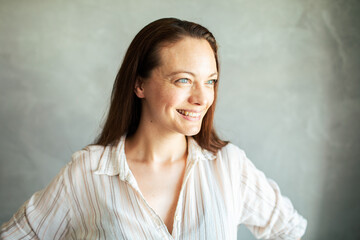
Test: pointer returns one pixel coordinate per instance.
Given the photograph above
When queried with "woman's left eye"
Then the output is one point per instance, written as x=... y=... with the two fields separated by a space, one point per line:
x=183 y=80
x=211 y=82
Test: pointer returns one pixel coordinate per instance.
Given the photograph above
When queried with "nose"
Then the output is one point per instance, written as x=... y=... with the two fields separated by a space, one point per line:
x=201 y=95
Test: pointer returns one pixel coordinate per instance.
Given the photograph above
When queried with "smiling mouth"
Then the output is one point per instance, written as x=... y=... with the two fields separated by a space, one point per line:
x=189 y=114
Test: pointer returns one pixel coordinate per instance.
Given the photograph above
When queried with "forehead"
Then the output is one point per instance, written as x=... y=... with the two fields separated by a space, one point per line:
x=190 y=54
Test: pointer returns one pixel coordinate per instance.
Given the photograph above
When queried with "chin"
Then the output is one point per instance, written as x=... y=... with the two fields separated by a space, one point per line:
x=192 y=132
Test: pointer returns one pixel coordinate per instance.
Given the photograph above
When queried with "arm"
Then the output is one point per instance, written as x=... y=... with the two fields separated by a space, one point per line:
x=261 y=207
x=43 y=216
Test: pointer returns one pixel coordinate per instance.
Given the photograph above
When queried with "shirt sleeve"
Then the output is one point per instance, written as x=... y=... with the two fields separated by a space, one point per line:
x=43 y=216
x=261 y=207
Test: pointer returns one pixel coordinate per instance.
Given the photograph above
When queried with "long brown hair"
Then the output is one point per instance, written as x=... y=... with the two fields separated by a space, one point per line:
x=140 y=59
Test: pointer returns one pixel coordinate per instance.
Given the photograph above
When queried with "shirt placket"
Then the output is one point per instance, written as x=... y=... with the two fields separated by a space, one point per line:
x=160 y=225
x=179 y=208
x=130 y=179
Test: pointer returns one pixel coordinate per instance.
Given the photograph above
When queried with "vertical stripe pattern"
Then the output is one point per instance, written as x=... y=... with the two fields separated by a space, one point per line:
x=96 y=196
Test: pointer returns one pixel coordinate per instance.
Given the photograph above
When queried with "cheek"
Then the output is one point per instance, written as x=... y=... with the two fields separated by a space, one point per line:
x=160 y=96
x=162 y=102
x=173 y=97
x=211 y=97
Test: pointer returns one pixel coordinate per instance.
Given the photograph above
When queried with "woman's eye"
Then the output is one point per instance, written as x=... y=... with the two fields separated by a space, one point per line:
x=182 y=80
x=211 y=82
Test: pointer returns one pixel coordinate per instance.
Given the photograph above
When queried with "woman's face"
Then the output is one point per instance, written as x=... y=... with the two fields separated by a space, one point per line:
x=178 y=93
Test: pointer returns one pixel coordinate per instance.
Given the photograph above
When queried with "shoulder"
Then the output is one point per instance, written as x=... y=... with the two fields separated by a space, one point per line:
x=89 y=151
x=88 y=157
x=235 y=158
x=231 y=152
x=81 y=169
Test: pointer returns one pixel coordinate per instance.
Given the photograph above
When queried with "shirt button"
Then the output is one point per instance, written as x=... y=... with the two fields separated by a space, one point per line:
x=177 y=218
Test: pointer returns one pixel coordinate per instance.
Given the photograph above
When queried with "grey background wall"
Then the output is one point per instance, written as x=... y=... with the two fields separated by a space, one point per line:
x=289 y=94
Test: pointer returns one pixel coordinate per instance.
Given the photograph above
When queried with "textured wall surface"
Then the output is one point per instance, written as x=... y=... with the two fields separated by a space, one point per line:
x=289 y=93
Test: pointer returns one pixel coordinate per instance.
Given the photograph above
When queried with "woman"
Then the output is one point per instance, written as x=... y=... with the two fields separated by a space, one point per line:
x=158 y=170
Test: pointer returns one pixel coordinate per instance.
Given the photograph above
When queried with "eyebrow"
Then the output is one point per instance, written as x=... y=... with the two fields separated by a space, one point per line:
x=187 y=72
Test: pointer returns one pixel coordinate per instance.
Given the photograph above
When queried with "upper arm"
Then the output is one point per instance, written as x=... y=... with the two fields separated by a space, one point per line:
x=260 y=205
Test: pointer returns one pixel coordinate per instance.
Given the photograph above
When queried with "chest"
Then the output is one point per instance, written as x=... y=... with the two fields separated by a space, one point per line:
x=120 y=212
x=160 y=189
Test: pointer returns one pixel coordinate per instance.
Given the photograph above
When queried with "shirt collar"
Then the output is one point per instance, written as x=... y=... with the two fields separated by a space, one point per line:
x=113 y=161
x=195 y=152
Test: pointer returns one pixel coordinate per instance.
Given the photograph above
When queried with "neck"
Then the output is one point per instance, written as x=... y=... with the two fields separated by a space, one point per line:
x=155 y=148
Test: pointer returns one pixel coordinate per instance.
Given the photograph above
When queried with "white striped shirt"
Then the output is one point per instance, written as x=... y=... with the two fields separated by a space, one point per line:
x=96 y=196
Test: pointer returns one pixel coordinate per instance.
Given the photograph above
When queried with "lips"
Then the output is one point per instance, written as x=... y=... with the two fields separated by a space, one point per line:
x=189 y=113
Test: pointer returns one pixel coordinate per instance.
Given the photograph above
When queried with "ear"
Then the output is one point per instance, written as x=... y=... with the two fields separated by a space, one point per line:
x=139 y=88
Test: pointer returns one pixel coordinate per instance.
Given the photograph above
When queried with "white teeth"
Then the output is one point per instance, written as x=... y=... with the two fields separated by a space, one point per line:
x=190 y=114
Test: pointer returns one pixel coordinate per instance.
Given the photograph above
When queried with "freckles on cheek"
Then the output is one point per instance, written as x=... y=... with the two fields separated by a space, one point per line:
x=172 y=98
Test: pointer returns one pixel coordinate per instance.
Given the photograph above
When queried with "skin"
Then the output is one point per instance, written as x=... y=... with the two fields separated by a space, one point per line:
x=157 y=152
